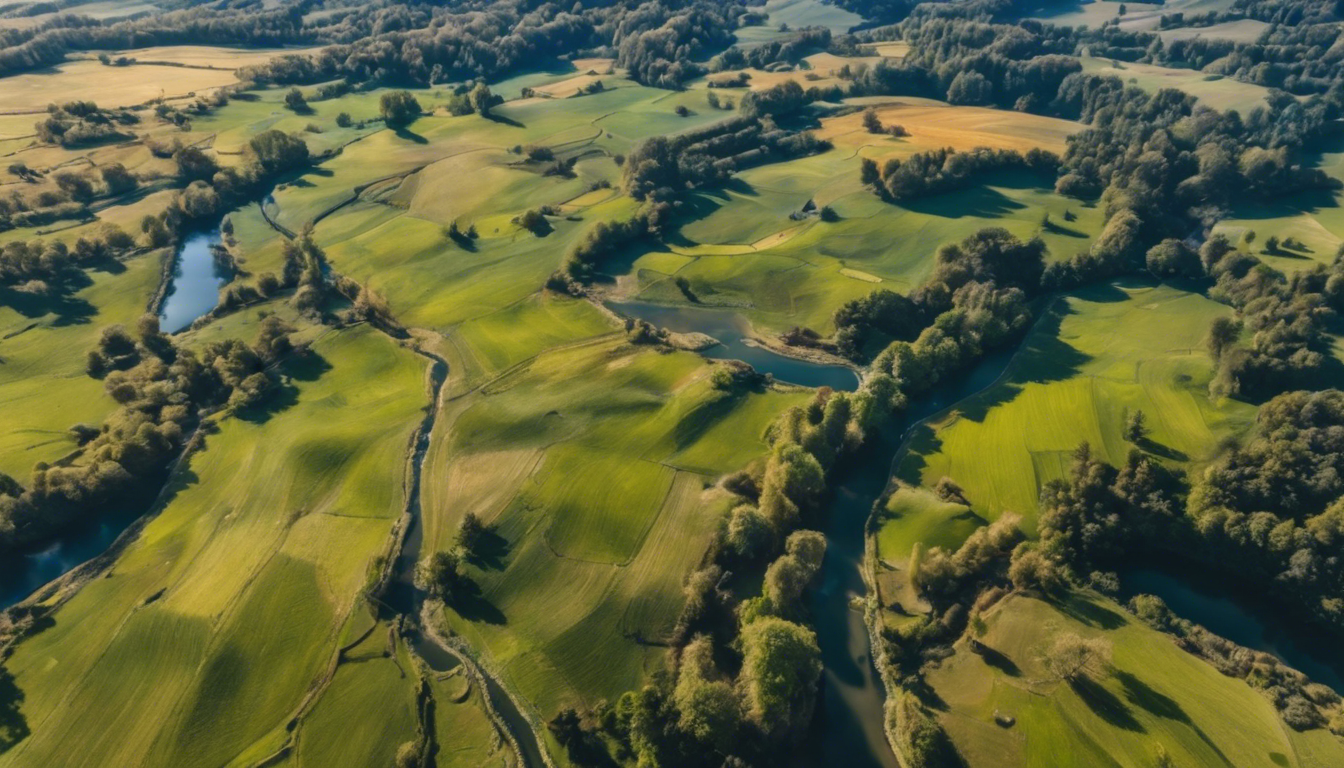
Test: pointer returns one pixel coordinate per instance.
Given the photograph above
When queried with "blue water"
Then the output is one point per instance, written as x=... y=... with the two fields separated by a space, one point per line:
x=731 y=330
x=194 y=288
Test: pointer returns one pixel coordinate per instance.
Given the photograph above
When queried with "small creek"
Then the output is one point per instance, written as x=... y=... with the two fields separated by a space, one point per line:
x=1223 y=609
x=193 y=289
x=405 y=598
x=731 y=329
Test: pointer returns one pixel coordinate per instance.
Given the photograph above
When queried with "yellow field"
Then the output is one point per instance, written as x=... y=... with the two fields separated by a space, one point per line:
x=207 y=55
x=108 y=86
x=934 y=127
x=1222 y=93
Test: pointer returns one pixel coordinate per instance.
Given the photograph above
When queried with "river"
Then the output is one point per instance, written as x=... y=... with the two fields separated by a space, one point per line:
x=731 y=330
x=193 y=289
x=849 y=722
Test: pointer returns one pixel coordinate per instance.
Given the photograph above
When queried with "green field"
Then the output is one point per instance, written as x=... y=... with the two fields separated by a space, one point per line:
x=1094 y=358
x=215 y=622
x=1155 y=697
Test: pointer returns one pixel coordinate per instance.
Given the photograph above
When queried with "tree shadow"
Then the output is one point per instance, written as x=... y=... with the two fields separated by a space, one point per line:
x=1056 y=228
x=13 y=725
x=489 y=551
x=1087 y=612
x=1105 y=704
x=498 y=118
x=303 y=366
x=69 y=310
x=1140 y=694
x=407 y=135
x=998 y=660
x=1158 y=449
x=471 y=604
x=981 y=202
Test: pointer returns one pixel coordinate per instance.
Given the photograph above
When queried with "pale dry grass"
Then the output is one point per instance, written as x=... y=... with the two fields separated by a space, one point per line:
x=962 y=128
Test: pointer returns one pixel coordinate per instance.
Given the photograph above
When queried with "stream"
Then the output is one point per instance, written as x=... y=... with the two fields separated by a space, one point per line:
x=405 y=598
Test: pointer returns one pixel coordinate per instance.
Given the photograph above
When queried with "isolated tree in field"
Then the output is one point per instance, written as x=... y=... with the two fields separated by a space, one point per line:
x=295 y=101
x=948 y=490
x=117 y=179
x=1271 y=244
x=1249 y=237
x=440 y=575
x=195 y=165
x=871 y=122
x=471 y=533
x=1136 y=427
x=1223 y=333
x=869 y=173
x=482 y=100
x=1071 y=657
x=343 y=120
x=398 y=108
x=276 y=151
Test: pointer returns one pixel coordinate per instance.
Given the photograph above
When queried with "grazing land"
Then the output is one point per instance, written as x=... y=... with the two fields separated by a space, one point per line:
x=339 y=425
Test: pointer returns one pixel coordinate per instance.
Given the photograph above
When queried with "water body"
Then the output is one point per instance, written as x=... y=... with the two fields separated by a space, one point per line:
x=23 y=574
x=405 y=598
x=194 y=287
x=731 y=329
x=848 y=728
x=1205 y=599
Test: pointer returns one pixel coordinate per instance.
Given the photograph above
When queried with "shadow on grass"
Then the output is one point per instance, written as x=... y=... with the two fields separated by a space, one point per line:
x=998 y=660
x=981 y=202
x=1105 y=704
x=305 y=366
x=497 y=118
x=489 y=551
x=471 y=604
x=13 y=725
x=1090 y=613
x=1142 y=695
x=1165 y=451
x=69 y=310
x=407 y=135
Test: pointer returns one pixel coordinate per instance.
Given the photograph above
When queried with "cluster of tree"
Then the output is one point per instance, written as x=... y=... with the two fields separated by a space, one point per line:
x=603 y=241
x=38 y=271
x=939 y=171
x=658 y=42
x=789 y=50
x=80 y=123
x=662 y=167
x=1288 y=320
x=1273 y=510
x=162 y=391
x=975 y=300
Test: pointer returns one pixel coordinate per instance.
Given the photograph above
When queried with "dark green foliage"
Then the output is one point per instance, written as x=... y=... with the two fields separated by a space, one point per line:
x=277 y=152
x=398 y=108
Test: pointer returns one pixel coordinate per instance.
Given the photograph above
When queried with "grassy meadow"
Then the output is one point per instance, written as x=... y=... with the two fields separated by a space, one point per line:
x=1157 y=699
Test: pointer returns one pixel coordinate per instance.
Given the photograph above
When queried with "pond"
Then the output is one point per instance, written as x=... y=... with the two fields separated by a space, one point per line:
x=22 y=574
x=731 y=330
x=194 y=287
x=1215 y=603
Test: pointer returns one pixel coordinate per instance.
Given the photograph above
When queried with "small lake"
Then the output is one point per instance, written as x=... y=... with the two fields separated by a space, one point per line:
x=194 y=288
x=731 y=329
x=1203 y=598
